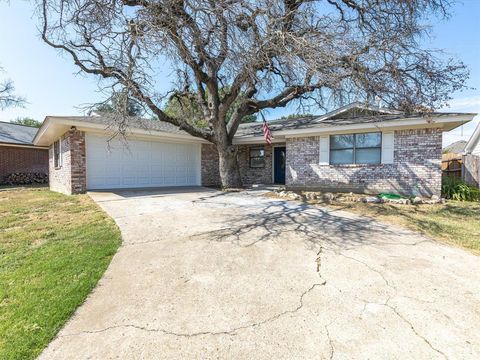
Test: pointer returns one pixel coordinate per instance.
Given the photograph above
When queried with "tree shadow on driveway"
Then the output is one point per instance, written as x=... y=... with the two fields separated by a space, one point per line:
x=265 y=219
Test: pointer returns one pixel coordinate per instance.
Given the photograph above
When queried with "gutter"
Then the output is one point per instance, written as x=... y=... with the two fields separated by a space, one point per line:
x=461 y=119
x=32 y=146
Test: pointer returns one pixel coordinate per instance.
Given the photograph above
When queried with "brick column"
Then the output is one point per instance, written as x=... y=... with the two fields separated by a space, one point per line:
x=70 y=177
x=78 y=162
x=210 y=171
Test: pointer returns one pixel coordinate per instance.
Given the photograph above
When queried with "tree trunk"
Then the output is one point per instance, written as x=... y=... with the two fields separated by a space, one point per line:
x=228 y=166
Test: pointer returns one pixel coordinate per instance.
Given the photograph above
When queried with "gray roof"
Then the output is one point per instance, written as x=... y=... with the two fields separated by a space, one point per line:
x=335 y=118
x=255 y=129
x=456 y=148
x=16 y=134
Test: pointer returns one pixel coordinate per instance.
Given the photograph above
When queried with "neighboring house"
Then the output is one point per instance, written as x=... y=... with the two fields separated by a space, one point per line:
x=355 y=148
x=457 y=147
x=17 y=152
x=473 y=144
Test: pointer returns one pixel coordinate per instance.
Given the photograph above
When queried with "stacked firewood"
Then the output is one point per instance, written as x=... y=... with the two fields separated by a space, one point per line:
x=25 y=179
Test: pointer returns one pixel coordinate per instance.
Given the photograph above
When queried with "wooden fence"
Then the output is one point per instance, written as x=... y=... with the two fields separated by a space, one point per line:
x=465 y=167
x=452 y=165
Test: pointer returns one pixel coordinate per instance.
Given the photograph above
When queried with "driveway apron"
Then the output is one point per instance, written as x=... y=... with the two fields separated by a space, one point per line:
x=203 y=274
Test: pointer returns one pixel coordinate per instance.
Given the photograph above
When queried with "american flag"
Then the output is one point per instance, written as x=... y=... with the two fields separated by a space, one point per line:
x=266 y=133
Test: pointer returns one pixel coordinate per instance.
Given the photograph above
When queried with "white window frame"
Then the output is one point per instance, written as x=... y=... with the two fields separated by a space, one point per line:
x=58 y=160
x=354 y=149
x=263 y=157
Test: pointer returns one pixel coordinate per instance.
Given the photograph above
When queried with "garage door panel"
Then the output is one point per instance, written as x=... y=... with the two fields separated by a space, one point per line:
x=144 y=182
x=157 y=180
x=140 y=163
x=112 y=181
x=129 y=181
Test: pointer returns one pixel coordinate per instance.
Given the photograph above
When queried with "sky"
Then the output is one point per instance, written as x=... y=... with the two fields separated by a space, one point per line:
x=52 y=85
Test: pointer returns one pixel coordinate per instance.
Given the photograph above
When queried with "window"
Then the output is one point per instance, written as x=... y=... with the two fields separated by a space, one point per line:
x=57 y=154
x=356 y=148
x=257 y=158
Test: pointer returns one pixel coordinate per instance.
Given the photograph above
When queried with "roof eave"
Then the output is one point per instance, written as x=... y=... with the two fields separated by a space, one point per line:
x=30 y=146
x=54 y=127
x=447 y=123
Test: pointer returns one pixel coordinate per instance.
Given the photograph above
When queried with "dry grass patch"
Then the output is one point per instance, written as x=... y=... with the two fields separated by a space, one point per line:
x=456 y=222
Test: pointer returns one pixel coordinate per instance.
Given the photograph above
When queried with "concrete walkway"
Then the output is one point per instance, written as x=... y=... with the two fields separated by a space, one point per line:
x=207 y=275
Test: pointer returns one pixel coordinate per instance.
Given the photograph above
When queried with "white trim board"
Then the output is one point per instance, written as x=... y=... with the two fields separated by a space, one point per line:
x=25 y=146
x=53 y=127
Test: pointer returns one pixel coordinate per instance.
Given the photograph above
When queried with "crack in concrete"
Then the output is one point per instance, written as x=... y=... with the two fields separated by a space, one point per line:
x=231 y=332
x=330 y=342
x=395 y=310
x=386 y=304
x=374 y=270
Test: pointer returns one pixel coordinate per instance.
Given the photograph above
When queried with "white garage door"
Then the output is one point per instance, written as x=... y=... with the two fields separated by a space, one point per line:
x=138 y=163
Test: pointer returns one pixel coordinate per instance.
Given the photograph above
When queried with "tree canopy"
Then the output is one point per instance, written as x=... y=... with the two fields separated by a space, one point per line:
x=121 y=103
x=266 y=53
x=184 y=107
x=27 y=122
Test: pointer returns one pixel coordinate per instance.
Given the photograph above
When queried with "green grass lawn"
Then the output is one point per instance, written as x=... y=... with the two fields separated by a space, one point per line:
x=53 y=250
x=456 y=223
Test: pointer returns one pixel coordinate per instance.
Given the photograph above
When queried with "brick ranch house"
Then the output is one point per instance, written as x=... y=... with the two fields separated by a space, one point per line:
x=17 y=152
x=354 y=148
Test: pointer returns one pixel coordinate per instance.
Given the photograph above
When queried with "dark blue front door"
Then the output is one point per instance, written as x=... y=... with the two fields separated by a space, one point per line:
x=279 y=162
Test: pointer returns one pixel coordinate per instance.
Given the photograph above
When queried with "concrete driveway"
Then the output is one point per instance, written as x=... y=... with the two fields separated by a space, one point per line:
x=207 y=275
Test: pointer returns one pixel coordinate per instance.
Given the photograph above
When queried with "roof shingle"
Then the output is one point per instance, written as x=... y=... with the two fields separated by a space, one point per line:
x=16 y=134
x=456 y=148
x=255 y=129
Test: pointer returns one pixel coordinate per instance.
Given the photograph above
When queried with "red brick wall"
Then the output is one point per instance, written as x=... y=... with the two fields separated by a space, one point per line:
x=15 y=159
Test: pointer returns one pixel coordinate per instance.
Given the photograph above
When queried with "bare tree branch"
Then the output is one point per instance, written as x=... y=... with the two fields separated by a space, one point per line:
x=234 y=58
x=7 y=95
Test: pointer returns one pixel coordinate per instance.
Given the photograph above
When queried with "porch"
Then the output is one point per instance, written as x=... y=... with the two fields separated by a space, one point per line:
x=258 y=164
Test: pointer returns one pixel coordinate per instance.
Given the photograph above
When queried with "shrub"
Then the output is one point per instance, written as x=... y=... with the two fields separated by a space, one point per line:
x=24 y=179
x=455 y=189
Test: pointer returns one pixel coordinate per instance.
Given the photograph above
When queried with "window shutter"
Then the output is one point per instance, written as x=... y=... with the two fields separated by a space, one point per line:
x=324 y=150
x=388 y=142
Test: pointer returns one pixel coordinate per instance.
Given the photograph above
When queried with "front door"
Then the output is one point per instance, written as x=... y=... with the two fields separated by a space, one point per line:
x=279 y=162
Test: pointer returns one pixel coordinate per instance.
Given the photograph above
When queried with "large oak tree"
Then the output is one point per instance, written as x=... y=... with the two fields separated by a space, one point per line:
x=267 y=53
